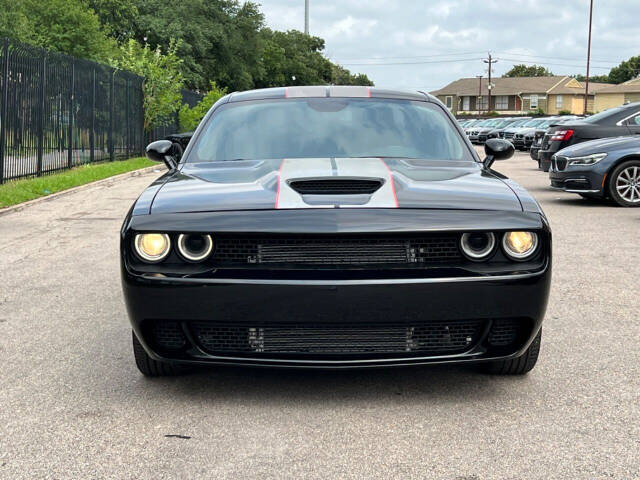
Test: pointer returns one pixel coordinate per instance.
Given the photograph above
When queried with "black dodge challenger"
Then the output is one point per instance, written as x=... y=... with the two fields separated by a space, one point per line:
x=334 y=227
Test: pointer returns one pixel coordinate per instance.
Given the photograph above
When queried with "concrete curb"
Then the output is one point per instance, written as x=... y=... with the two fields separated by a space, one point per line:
x=46 y=198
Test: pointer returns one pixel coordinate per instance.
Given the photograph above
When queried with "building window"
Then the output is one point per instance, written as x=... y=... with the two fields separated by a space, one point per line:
x=534 y=101
x=466 y=104
x=482 y=103
x=559 y=101
x=502 y=102
x=449 y=102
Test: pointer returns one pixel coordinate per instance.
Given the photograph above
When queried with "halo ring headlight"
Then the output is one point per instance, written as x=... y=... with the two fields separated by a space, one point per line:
x=477 y=245
x=195 y=247
x=152 y=247
x=520 y=245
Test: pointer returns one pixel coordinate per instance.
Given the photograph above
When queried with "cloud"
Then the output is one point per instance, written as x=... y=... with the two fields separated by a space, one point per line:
x=411 y=31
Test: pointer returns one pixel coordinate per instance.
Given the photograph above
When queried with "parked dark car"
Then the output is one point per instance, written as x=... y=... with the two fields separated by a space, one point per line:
x=538 y=135
x=523 y=138
x=605 y=168
x=615 y=122
x=495 y=131
x=334 y=227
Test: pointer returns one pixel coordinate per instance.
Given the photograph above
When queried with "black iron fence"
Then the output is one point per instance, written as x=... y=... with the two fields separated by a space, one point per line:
x=57 y=112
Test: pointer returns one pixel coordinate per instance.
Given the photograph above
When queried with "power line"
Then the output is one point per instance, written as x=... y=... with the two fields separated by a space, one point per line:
x=410 y=56
x=556 y=58
x=548 y=63
x=415 y=63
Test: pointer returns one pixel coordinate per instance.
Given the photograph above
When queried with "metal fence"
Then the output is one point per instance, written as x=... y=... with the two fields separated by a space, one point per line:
x=57 y=112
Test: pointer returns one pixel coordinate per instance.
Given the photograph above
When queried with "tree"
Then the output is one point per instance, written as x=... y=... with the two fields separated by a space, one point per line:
x=593 y=78
x=627 y=70
x=189 y=118
x=117 y=16
x=342 y=76
x=163 y=79
x=66 y=26
x=523 y=70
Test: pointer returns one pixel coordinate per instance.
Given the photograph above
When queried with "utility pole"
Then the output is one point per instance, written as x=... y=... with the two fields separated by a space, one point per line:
x=586 y=89
x=306 y=17
x=479 y=77
x=489 y=86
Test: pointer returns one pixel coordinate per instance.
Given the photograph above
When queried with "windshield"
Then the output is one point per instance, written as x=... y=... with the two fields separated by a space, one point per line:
x=328 y=127
x=533 y=123
x=599 y=116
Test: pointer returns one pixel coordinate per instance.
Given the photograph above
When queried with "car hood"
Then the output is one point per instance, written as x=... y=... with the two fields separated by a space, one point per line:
x=267 y=185
x=601 y=145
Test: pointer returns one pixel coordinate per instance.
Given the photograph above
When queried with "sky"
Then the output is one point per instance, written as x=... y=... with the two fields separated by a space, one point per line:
x=454 y=35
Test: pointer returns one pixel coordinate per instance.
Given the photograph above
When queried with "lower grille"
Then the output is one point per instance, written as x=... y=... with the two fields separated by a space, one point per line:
x=303 y=251
x=504 y=332
x=168 y=335
x=433 y=337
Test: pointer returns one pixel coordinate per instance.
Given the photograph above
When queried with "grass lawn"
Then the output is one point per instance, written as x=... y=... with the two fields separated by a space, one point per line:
x=18 y=191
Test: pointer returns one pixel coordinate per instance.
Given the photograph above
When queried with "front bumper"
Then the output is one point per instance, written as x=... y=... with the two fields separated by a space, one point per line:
x=575 y=180
x=259 y=303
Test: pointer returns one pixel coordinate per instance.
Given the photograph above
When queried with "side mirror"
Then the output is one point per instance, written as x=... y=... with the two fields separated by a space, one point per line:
x=161 y=151
x=497 y=149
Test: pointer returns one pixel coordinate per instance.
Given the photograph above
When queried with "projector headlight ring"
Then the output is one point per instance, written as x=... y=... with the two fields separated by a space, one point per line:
x=520 y=246
x=152 y=247
x=195 y=247
x=477 y=246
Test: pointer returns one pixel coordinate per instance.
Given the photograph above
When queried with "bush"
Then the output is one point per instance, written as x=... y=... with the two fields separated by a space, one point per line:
x=538 y=111
x=190 y=118
x=492 y=113
x=564 y=112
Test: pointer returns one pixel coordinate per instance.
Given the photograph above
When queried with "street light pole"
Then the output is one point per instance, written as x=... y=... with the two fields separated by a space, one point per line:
x=489 y=86
x=306 y=17
x=479 y=77
x=586 y=89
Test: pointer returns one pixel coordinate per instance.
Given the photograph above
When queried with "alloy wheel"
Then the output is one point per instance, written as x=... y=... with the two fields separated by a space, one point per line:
x=628 y=184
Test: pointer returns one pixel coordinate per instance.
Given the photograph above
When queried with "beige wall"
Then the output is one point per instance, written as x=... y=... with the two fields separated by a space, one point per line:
x=570 y=102
x=632 y=97
x=605 y=101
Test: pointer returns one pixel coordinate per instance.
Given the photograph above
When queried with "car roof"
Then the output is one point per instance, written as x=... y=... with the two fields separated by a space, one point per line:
x=323 y=91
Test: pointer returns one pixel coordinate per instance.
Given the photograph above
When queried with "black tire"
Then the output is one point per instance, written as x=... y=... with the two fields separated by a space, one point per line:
x=519 y=365
x=150 y=367
x=613 y=179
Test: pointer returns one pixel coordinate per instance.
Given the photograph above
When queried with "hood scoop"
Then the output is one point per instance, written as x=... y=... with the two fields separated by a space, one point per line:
x=336 y=186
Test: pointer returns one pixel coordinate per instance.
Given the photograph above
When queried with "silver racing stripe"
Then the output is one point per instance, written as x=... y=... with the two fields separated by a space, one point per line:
x=385 y=196
x=300 y=168
x=295 y=168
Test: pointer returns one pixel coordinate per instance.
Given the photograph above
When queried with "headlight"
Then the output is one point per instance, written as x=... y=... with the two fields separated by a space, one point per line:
x=519 y=245
x=152 y=247
x=195 y=247
x=587 y=160
x=477 y=245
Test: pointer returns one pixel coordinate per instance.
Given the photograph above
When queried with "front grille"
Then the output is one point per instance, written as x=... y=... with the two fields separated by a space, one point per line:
x=504 y=332
x=519 y=136
x=168 y=335
x=336 y=186
x=310 y=250
x=508 y=135
x=357 y=339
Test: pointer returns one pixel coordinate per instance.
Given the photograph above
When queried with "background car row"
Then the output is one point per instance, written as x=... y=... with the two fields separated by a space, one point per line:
x=597 y=157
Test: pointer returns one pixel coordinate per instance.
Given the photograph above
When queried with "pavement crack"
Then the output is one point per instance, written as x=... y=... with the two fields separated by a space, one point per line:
x=184 y=437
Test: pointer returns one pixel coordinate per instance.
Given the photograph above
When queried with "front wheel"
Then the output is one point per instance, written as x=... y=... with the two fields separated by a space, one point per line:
x=150 y=367
x=624 y=184
x=519 y=365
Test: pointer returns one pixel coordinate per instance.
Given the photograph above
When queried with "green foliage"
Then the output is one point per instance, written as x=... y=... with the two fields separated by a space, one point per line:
x=627 y=70
x=189 y=118
x=564 y=112
x=67 y=26
x=537 y=111
x=523 y=70
x=492 y=113
x=163 y=79
x=593 y=78
x=117 y=16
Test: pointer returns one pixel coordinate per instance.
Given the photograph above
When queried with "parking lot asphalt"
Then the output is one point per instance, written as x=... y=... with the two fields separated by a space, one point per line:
x=73 y=405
